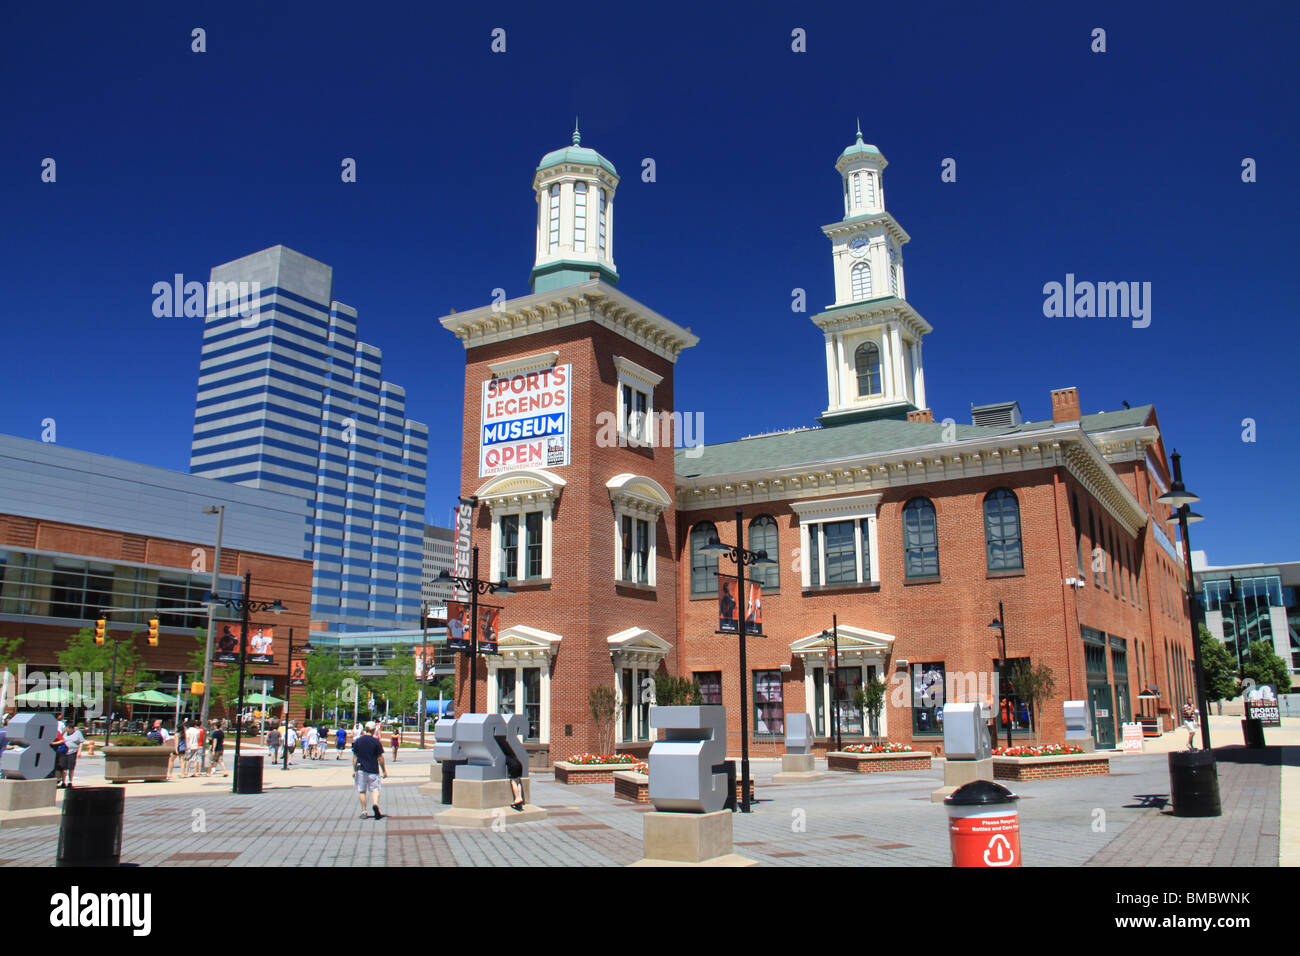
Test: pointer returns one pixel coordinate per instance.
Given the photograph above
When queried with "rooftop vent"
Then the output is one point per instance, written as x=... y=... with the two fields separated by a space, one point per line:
x=998 y=414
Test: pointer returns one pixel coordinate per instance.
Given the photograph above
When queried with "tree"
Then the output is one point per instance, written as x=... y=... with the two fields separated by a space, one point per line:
x=677 y=692
x=1265 y=667
x=870 y=698
x=9 y=655
x=1220 y=669
x=447 y=687
x=399 y=684
x=604 y=708
x=324 y=678
x=1035 y=683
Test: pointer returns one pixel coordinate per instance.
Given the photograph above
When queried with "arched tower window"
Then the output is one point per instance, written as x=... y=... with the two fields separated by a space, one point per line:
x=1002 y=531
x=866 y=360
x=861 y=281
x=703 y=580
x=580 y=217
x=857 y=189
x=763 y=537
x=604 y=207
x=920 y=539
x=871 y=189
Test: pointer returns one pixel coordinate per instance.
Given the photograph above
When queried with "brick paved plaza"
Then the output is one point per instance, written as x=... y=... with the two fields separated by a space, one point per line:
x=309 y=816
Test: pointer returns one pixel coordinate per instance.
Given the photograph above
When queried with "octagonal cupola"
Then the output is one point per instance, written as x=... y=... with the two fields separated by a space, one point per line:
x=575 y=217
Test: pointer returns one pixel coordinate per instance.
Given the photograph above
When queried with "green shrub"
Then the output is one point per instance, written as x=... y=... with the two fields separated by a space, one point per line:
x=132 y=741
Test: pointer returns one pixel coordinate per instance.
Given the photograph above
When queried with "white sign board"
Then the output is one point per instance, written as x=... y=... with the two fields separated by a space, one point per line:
x=1132 y=741
x=526 y=421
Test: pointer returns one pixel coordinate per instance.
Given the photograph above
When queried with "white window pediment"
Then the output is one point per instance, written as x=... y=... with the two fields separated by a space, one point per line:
x=519 y=494
x=522 y=644
x=638 y=494
x=520 y=366
x=520 y=488
x=837 y=509
x=638 y=499
x=637 y=646
x=853 y=641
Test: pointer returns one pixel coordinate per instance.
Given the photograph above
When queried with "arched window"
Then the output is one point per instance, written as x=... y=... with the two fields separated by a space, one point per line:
x=1002 y=531
x=555 y=217
x=580 y=217
x=857 y=189
x=703 y=566
x=763 y=537
x=866 y=360
x=920 y=539
x=871 y=189
x=861 y=281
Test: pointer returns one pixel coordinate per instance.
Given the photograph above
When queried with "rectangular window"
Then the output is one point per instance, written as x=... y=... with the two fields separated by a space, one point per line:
x=580 y=217
x=927 y=698
x=769 y=706
x=510 y=546
x=636 y=404
x=814 y=554
x=642 y=551
x=710 y=686
x=819 y=701
x=839 y=552
x=627 y=548
x=857 y=189
x=604 y=202
x=871 y=189
x=533 y=702
x=1013 y=710
x=847 y=680
x=533 y=542
x=506 y=690
x=555 y=218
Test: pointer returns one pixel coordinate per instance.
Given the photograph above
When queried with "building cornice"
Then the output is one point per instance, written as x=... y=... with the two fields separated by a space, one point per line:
x=590 y=301
x=846 y=227
x=855 y=315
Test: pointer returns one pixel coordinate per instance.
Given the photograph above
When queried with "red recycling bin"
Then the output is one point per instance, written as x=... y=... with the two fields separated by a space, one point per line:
x=984 y=825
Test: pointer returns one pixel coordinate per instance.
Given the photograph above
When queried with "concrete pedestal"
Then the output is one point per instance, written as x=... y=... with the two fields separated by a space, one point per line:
x=435 y=780
x=486 y=803
x=958 y=773
x=690 y=839
x=28 y=803
x=797 y=768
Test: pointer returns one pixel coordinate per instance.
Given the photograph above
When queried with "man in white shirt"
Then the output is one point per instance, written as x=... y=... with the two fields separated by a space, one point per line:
x=193 y=749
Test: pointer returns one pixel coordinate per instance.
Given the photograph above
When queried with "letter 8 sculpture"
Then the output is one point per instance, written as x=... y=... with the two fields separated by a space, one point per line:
x=684 y=767
x=33 y=758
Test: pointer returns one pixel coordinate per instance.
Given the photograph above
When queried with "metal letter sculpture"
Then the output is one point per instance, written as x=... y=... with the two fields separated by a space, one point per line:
x=33 y=758
x=684 y=767
x=482 y=739
x=445 y=747
x=798 y=734
x=1078 y=723
x=965 y=735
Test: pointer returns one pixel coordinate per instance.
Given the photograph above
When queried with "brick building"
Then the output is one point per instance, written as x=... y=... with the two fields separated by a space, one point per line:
x=911 y=534
x=80 y=532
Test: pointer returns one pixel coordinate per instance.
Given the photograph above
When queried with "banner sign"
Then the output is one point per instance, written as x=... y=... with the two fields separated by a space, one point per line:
x=525 y=421
x=424 y=664
x=457 y=626
x=297 y=673
x=260 y=646
x=1133 y=739
x=1264 y=708
x=729 y=607
x=461 y=557
x=489 y=626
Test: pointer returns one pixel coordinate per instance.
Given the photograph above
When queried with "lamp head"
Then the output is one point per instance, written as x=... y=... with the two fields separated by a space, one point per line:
x=503 y=588
x=277 y=607
x=715 y=546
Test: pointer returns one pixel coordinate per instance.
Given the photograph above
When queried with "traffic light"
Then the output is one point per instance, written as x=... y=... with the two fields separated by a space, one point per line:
x=101 y=629
x=153 y=632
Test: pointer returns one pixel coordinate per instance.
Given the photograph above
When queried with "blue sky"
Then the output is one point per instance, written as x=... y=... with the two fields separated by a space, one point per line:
x=1115 y=166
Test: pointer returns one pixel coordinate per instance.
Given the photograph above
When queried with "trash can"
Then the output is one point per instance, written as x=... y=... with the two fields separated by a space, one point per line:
x=449 y=779
x=1194 y=784
x=984 y=825
x=90 y=829
x=1252 y=732
x=249 y=775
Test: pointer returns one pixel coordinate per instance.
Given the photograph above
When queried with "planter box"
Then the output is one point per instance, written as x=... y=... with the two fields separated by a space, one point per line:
x=576 y=773
x=636 y=787
x=135 y=763
x=878 y=763
x=1047 y=768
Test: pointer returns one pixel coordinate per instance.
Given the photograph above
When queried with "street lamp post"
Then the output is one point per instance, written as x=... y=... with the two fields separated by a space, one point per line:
x=1179 y=498
x=741 y=556
x=475 y=587
x=220 y=512
x=243 y=606
x=1000 y=622
x=424 y=667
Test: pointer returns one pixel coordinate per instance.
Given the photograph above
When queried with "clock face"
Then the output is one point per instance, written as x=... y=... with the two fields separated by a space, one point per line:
x=858 y=246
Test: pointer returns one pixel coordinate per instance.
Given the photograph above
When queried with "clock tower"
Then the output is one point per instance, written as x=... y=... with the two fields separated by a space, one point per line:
x=873 y=336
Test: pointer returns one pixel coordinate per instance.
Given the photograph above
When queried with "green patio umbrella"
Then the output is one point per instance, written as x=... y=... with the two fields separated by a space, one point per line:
x=148 y=697
x=262 y=699
x=50 y=695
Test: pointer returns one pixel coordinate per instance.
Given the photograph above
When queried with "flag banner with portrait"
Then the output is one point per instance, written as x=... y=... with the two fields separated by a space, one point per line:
x=729 y=607
x=297 y=673
x=260 y=645
x=424 y=664
x=489 y=626
x=458 y=635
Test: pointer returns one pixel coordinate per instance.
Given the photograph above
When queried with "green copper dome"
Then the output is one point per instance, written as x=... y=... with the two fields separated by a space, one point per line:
x=576 y=153
x=860 y=148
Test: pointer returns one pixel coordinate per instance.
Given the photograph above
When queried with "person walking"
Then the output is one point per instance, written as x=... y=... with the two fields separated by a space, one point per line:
x=396 y=742
x=60 y=749
x=290 y=742
x=367 y=765
x=311 y=737
x=73 y=740
x=340 y=741
x=194 y=749
x=177 y=759
x=273 y=742
x=218 y=741
x=1190 y=723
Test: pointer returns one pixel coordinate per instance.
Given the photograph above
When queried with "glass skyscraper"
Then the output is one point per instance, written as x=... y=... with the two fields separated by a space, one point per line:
x=290 y=401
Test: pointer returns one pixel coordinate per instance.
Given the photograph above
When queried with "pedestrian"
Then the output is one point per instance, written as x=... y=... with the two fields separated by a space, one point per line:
x=60 y=749
x=311 y=738
x=273 y=742
x=177 y=755
x=194 y=748
x=290 y=742
x=304 y=741
x=367 y=765
x=156 y=733
x=73 y=740
x=340 y=741
x=1190 y=723
x=218 y=739
x=396 y=742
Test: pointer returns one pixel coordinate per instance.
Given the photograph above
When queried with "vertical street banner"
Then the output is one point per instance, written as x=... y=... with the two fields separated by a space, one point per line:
x=260 y=645
x=298 y=674
x=754 y=609
x=525 y=421
x=489 y=626
x=461 y=558
x=458 y=626
x=729 y=606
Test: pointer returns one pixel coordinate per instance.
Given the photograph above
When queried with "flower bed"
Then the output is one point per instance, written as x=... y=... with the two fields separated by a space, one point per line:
x=593 y=768
x=1046 y=750
x=877 y=758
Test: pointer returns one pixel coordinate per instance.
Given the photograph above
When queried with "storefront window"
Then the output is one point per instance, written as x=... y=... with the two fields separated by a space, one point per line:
x=819 y=701
x=506 y=690
x=710 y=686
x=1013 y=710
x=927 y=698
x=533 y=701
x=769 y=706
x=847 y=680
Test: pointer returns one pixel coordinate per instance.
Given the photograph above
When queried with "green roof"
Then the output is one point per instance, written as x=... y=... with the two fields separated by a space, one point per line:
x=576 y=154
x=857 y=439
x=859 y=148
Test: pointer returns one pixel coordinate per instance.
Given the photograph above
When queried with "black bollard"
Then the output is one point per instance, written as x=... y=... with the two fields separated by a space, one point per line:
x=90 y=830
x=1252 y=732
x=249 y=773
x=1194 y=784
x=449 y=779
